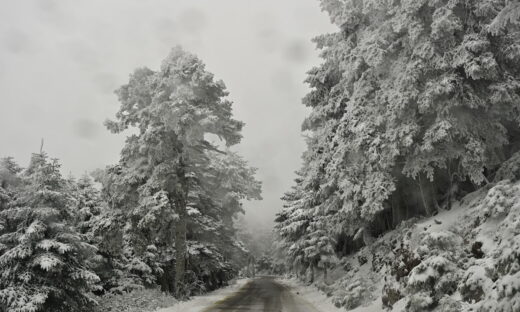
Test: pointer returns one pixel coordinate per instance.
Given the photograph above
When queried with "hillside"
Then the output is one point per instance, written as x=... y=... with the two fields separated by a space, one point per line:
x=463 y=259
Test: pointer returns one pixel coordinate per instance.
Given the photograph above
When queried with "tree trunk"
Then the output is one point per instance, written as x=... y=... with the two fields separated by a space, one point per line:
x=180 y=248
x=181 y=201
x=325 y=279
x=450 y=187
x=396 y=211
x=433 y=197
x=425 y=204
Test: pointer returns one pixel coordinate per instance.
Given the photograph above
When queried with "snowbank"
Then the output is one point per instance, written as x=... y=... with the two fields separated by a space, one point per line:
x=310 y=294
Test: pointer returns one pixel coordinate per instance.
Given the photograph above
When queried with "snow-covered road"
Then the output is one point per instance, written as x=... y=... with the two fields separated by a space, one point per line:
x=263 y=294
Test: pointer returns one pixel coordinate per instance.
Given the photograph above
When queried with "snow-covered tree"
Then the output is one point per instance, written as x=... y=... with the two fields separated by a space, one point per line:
x=416 y=103
x=228 y=180
x=412 y=98
x=88 y=204
x=9 y=171
x=43 y=260
x=164 y=167
x=305 y=229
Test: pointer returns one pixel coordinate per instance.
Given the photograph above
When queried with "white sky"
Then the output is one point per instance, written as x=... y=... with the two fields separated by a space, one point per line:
x=60 y=61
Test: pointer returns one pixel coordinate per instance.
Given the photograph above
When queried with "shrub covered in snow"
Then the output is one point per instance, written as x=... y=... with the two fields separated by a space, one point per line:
x=510 y=169
x=504 y=294
x=437 y=274
x=429 y=281
x=143 y=300
x=391 y=293
x=501 y=198
x=401 y=261
x=351 y=294
x=475 y=283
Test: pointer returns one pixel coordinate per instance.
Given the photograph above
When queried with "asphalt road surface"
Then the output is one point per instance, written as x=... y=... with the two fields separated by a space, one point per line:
x=263 y=294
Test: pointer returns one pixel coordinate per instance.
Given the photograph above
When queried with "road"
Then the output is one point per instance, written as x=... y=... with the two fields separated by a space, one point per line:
x=263 y=294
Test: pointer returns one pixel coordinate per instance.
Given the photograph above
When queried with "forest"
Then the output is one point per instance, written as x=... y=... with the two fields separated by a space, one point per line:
x=407 y=198
x=162 y=216
x=415 y=106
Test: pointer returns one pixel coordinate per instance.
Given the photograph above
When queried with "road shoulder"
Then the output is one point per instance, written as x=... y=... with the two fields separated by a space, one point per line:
x=199 y=303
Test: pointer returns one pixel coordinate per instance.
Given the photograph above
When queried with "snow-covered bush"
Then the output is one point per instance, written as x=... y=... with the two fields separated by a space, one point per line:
x=501 y=198
x=351 y=294
x=437 y=274
x=404 y=262
x=392 y=292
x=505 y=293
x=508 y=293
x=420 y=301
x=449 y=304
x=429 y=281
x=400 y=262
x=509 y=169
x=445 y=242
x=143 y=300
x=475 y=283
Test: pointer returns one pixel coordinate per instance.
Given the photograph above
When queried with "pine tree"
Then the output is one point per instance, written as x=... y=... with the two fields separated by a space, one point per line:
x=42 y=264
x=163 y=166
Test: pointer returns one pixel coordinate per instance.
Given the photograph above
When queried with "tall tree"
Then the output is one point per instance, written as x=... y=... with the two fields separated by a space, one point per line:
x=413 y=100
x=174 y=110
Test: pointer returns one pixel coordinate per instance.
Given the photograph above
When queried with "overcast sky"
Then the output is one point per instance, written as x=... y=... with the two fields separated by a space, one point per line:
x=60 y=61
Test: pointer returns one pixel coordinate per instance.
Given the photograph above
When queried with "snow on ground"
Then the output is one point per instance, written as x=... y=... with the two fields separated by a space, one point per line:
x=489 y=216
x=476 y=242
x=199 y=303
x=310 y=294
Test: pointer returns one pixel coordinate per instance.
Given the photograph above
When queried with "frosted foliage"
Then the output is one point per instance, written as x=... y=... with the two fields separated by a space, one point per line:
x=437 y=274
x=508 y=16
x=48 y=244
x=47 y=262
x=351 y=294
x=510 y=169
x=442 y=241
x=139 y=300
x=410 y=96
x=501 y=198
x=19 y=299
x=173 y=183
x=506 y=257
x=475 y=283
x=40 y=244
x=429 y=281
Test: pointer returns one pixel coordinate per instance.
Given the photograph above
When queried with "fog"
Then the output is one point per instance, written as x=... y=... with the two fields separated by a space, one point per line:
x=61 y=60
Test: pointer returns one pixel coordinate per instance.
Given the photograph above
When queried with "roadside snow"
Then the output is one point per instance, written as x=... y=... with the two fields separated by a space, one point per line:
x=198 y=303
x=310 y=294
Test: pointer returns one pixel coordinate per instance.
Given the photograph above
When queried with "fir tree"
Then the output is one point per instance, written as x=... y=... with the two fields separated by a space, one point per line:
x=42 y=266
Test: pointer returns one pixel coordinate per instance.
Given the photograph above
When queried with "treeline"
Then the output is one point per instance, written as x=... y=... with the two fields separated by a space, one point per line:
x=161 y=217
x=415 y=104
